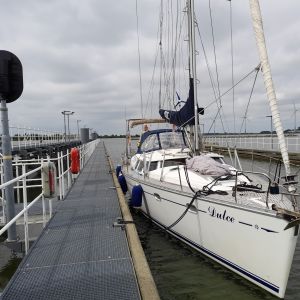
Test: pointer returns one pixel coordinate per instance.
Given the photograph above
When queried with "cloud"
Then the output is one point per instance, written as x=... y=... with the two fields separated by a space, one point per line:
x=82 y=56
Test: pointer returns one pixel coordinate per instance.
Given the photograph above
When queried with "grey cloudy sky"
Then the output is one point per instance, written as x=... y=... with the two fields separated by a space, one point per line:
x=82 y=56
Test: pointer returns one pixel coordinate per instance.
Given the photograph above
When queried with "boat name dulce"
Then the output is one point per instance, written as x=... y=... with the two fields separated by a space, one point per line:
x=223 y=216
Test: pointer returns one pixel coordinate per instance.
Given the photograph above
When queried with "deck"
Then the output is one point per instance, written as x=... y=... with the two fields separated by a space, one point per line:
x=79 y=254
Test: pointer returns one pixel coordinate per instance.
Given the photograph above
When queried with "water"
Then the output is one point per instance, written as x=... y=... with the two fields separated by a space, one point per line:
x=179 y=271
x=182 y=273
x=9 y=261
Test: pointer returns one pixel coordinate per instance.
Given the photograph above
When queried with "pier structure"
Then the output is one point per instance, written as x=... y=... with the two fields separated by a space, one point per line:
x=261 y=144
x=89 y=249
x=27 y=142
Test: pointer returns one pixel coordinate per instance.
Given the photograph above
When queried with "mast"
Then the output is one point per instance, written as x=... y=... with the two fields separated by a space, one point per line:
x=266 y=70
x=192 y=63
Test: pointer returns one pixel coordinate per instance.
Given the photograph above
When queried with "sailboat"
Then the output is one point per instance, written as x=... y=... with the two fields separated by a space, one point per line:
x=213 y=207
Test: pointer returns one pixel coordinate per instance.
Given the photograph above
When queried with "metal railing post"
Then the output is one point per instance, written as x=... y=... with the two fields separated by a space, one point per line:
x=18 y=184
x=59 y=175
x=68 y=168
x=19 y=141
x=2 y=195
x=50 y=208
x=62 y=174
x=43 y=198
x=26 y=237
x=44 y=211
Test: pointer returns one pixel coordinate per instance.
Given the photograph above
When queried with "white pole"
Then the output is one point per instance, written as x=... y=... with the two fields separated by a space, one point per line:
x=44 y=211
x=59 y=175
x=26 y=237
x=68 y=168
x=62 y=173
x=18 y=184
x=19 y=141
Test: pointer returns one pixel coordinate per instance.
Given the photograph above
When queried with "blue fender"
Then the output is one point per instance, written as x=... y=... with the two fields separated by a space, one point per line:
x=123 y=183
x=136 y=196
x=118 y=170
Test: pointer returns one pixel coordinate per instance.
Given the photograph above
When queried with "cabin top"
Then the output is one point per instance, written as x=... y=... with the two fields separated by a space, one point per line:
x=161 y=139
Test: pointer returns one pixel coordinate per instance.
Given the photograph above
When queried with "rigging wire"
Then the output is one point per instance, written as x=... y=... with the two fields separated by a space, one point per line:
x=206 y=61
x=178 y=31
x=139 y=55
x=169 y=61
x=232 y=64
x=216 y=90
x=247 y=107
x=220 y=107
x=227 y=91
x=174 y=61
x=150 y=92
x=214 y=47
x=161 y=52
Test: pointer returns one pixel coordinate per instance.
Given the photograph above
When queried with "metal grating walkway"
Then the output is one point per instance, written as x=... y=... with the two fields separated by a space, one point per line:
x=79 y=255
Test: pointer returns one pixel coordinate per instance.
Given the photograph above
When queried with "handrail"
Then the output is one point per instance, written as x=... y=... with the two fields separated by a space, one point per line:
x=13 y=220
x=3 y=185
x=86 y=152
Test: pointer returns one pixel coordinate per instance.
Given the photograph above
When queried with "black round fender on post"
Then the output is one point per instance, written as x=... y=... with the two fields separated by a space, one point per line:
x=11 y=76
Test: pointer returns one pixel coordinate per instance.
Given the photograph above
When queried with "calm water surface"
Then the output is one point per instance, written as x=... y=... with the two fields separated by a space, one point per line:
x=181 y=273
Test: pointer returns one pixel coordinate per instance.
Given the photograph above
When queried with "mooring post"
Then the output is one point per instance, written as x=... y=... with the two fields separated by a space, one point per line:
x=11 y=88
x=8 y=171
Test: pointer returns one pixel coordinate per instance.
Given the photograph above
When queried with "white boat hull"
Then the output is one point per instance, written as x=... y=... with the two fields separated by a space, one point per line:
x=249 y=242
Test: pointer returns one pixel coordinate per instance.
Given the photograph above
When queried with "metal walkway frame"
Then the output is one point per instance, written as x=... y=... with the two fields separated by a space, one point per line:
x=79 y=254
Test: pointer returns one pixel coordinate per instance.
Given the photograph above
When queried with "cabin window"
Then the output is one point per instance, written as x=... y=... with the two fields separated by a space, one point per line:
x=153 y=166
x=218 y=159
x=134 y=162
x=174 y=162
x=150 y=143
x=171 y=140
x=140 y=166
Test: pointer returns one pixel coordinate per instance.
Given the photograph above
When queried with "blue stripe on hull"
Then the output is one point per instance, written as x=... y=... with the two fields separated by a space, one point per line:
x=250 y=275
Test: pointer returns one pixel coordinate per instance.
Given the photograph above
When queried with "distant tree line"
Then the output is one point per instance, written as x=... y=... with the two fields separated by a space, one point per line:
x=109 y=136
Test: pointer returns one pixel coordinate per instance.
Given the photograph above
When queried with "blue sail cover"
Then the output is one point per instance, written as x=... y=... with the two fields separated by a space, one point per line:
x=185 y=116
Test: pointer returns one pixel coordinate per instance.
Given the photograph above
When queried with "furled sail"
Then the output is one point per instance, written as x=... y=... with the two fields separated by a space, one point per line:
x=185 y=116
x=266 y=70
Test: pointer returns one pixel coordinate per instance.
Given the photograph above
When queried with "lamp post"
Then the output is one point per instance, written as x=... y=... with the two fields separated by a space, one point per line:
x=245 y=121
x=295 y=117
x=271 y=118
x=90 y=134
x=78 y=128
x=67 y=113
x=7 y=170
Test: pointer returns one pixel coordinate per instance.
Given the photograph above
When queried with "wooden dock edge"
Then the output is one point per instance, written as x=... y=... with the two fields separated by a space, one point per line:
x=146 y=282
